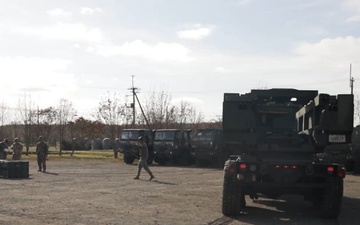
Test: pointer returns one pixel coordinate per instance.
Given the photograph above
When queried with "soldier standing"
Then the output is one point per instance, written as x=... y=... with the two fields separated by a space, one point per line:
x=4 y=148
x=17 y=148
x=116 y=147
x=144 y=153
x=42 y=150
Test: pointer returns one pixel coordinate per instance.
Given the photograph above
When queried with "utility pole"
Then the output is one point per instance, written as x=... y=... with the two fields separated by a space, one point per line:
x=133 y=90
x=352 y=80
x=135 y=98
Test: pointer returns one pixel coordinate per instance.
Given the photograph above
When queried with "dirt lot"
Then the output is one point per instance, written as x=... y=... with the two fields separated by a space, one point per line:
x=104 y=192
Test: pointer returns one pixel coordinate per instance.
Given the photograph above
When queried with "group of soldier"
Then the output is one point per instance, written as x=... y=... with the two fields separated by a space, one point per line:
x=17 y=148
x=42 y=151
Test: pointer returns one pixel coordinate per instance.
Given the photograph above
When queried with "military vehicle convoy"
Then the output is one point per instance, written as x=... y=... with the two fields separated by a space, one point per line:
x=275 y=137
x=172 y=145
x=208 y=146
x=128 y=144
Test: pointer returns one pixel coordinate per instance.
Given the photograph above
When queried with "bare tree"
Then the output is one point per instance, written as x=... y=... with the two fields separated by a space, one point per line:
x=46 y=118
x=3 y=109
x=65 y=113
x=28 y=115
x=187 y=114
x=162 y=114
x=111 y=111
x=159 y=111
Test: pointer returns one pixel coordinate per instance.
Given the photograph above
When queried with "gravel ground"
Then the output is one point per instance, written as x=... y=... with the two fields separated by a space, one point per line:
x=77 y=191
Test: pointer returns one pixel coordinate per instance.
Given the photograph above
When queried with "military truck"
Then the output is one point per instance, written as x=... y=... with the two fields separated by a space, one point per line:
x=274 y=144
x=208 y=146
x=172 y=145
x=355 y=150
x=128 y=144
x=329 y=120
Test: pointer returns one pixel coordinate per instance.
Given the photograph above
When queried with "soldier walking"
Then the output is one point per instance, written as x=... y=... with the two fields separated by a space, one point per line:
x=144 y=153
x=17 y=148
x=42 y=151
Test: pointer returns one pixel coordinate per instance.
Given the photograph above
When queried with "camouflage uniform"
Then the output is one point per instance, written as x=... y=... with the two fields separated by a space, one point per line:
x=42 y=151
x=17 y=148
x=144 y=153
x=4 y=149
x=116 y=147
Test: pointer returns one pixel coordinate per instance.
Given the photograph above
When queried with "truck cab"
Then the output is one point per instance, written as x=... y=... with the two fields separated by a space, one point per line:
x=128 y=144
x=209 y=147
x=172 y=145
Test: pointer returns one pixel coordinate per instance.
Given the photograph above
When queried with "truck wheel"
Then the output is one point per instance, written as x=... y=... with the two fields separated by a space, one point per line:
x=128 y=159
x=233 y=201
x=185 y=159
x=357 y=167
x=330 y=205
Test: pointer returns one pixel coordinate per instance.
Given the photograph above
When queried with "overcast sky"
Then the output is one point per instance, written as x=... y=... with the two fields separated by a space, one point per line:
x=195 y=50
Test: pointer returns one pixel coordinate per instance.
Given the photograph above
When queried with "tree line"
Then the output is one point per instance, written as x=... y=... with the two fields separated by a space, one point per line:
x=64 y=128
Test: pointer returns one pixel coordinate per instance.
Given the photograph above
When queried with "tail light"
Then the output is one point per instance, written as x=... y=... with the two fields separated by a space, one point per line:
x=342 y=172
x=330 y=169
x=242 y=166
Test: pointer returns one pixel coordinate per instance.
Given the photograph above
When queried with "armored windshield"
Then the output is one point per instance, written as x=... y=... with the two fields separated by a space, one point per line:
x=204 y=134
x=164 y=135
x=129 y=135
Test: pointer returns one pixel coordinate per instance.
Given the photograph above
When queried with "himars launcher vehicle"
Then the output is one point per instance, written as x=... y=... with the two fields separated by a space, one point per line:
x=275 y=137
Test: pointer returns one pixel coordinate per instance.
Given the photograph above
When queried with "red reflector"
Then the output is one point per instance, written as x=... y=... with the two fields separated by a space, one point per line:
x=232 y=170
x=330 y=169
x=341 y=174
x=242 y=166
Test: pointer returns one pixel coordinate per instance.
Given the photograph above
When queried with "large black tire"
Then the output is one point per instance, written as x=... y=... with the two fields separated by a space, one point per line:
x=233 y=200
x=356 y=167
x=330 y=206
x=128 y=159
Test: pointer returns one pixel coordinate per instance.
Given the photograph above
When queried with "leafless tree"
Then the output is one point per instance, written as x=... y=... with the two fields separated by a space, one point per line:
x=3 y=109
x=187 y=114
x=158 y=110
x=45 y=120
x=28 y=116
x=162 y=114
x=65 y=114
x=111 y=111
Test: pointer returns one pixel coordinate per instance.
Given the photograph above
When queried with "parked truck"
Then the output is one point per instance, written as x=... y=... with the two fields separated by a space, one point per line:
x=275 y=143
x=355 y=150
x=208 y=147
x=128 y=144
x=172 y=145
